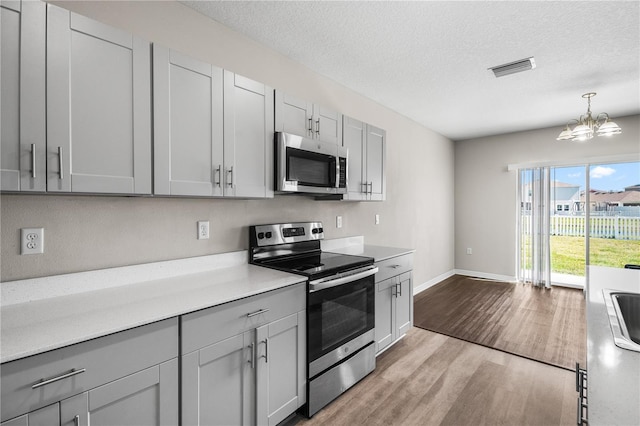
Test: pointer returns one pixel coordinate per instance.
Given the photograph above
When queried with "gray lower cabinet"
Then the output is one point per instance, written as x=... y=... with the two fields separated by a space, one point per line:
x=393 y=300
x=46 y=416
x=366 y=144
x=22 y=95
x=127 y=378
x=244 y=362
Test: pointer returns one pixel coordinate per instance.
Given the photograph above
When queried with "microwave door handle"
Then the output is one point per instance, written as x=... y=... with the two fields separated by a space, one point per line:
x=323 y=283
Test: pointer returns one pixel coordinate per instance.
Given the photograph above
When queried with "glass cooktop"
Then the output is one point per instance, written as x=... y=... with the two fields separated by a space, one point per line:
x=318 y=264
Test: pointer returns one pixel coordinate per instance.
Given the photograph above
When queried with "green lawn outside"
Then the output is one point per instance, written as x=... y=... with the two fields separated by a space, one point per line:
x=568 y=253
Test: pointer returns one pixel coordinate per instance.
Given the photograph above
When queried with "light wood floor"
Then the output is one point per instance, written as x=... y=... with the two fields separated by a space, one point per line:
x=432 y=379
x=545 y=325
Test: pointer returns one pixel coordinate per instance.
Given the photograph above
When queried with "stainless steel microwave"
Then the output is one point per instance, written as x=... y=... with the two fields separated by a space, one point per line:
x=306 y=165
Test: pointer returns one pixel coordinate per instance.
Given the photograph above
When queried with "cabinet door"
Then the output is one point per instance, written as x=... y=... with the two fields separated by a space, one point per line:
x=327 y=125
x=248 y=137
x=281 y=368
x=404 y=305
x=98 y=107
x=385 y=310
x=293 y=115
x=149 y=397
x=22 y=88
x=218 y=383
x=46 y=416
x=187 y=101
x=354 y=140
x=375 y=157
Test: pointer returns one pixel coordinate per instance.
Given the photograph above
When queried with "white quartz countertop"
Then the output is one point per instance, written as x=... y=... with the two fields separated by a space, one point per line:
x=355 y=246
x=41 y=324
x=613 y=373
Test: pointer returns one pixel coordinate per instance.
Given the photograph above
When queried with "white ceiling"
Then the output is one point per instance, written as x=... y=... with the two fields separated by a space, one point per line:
x=428 y=60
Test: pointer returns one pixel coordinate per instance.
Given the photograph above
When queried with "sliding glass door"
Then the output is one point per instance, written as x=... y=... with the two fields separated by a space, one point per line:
x=614 y=207
x=571 y=217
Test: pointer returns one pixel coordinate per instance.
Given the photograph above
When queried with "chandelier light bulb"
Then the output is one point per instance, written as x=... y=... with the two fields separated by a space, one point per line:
x=586 y=126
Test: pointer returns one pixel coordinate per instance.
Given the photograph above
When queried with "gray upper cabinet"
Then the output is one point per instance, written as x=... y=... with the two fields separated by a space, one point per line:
x=98 y=107
x=366 y=144
x=303 y=118
x=188 y=136
x=22 y=87
x=212 y=130
x=248 y=137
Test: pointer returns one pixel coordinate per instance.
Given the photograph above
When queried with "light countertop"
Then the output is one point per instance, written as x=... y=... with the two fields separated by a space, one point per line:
x=613 y=373
x=355 y=246
x=34 y=324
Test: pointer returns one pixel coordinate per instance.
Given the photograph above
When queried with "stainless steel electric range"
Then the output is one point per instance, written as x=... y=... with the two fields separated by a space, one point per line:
x=340 y=305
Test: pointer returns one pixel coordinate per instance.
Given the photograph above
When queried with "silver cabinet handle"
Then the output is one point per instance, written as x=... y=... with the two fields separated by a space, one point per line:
x=261 y=311
x=266 y=350
x=61 y=173
x=394 y=266
x=76 y=420
x=370 y=184
x=399 y=290
x=366 y=187
x=230 y=172
x=33 y=160
x=310 y=125
x=218 y=173
x=252 y=361
x=71 y=373
x=318 y=127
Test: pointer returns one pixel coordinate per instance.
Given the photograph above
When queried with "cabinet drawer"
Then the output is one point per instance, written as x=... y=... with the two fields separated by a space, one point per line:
x=394 y=266
x=203 y=328
x=103 y=360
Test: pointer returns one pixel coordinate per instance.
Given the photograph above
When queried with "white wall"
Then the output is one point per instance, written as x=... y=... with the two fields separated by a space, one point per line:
x=90 y=232
x=485 y=192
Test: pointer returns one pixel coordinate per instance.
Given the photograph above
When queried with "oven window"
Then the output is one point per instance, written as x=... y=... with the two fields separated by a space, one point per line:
x=310 y=169
x=343 y=317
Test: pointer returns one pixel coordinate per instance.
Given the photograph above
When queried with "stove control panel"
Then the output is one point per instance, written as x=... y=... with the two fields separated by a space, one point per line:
x=285 y=233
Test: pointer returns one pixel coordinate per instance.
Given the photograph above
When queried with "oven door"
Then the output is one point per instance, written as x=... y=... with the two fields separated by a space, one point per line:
x=305 y=165
x=340 y=317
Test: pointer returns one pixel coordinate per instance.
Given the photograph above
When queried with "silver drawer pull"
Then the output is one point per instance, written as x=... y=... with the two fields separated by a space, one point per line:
x=394 y=266
x=76 y=420
x=261 y=311
x=71 y=373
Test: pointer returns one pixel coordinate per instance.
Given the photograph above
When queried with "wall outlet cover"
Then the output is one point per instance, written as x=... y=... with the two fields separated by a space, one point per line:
x=203 y=230
x=31 y=240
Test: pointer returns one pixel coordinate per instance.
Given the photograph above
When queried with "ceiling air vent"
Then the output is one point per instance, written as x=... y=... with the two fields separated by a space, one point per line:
x=514 y=67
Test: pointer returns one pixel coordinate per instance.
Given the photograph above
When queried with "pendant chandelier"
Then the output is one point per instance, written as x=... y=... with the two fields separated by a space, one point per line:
x=587 y=125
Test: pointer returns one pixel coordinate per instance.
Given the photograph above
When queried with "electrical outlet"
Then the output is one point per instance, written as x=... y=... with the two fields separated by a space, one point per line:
x=31 y=240
x=203 y=230
x=469 y=250
x=377 y=219
x=338 y=221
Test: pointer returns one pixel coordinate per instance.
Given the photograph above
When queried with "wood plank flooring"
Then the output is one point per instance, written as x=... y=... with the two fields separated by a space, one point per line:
x=544 y=325
x=432 y=379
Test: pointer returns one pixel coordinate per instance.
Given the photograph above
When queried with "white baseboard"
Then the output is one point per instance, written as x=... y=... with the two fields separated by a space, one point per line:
x=432 y=282
x=486 y=275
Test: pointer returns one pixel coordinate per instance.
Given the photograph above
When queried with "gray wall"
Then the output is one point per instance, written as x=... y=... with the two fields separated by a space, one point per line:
x=91 y=232
x=485 y=191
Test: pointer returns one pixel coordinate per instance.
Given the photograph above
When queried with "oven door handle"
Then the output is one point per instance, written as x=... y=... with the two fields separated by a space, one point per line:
x=358 y=274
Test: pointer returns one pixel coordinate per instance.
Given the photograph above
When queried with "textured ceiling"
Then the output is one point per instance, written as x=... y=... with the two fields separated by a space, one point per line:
x=428 y=60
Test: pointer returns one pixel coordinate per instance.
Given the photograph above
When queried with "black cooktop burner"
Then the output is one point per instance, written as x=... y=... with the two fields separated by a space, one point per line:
x=318 y=264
